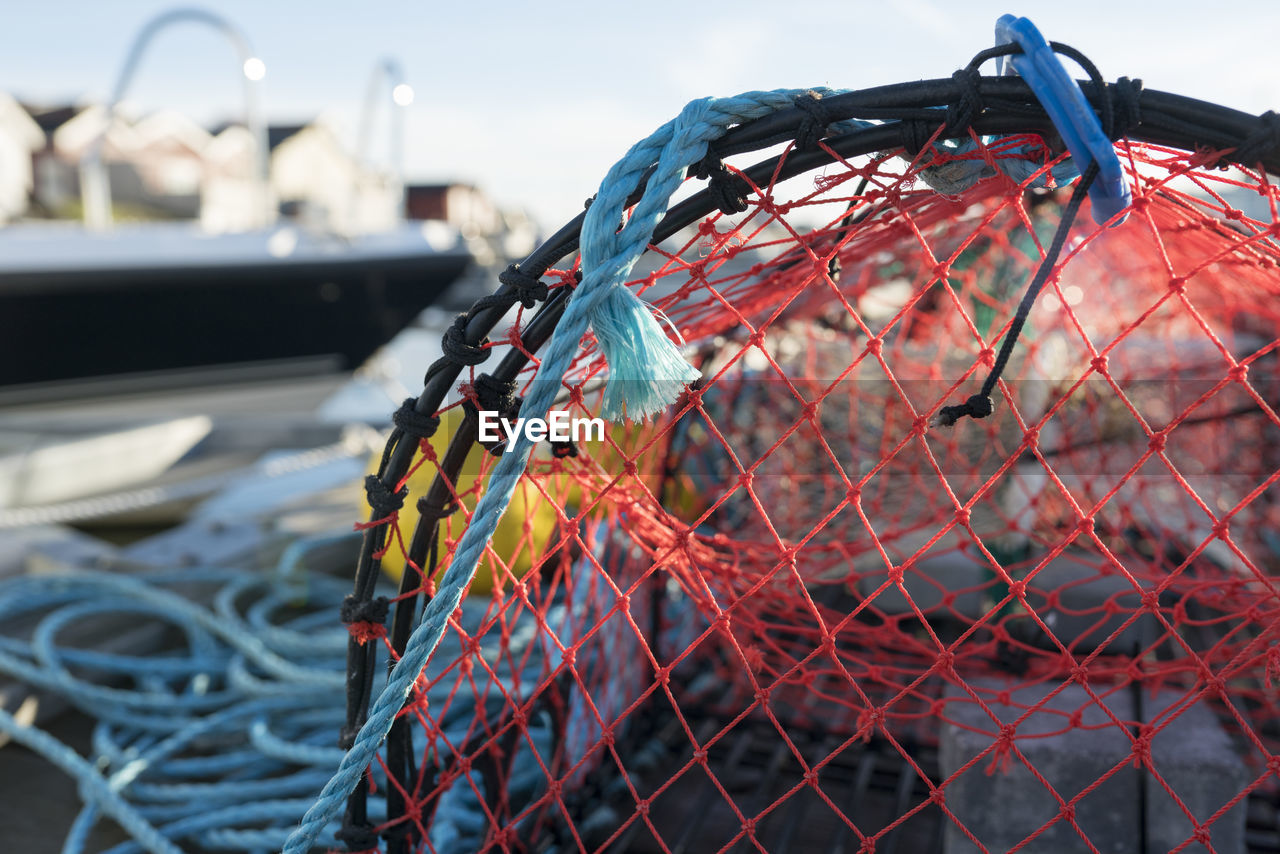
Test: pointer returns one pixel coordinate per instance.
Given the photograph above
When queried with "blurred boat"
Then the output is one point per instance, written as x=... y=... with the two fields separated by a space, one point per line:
x=139 y=302
x=145 y=306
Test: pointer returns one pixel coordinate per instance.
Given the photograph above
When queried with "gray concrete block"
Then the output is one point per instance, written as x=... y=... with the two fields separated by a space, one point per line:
x=1003 y=809
x=1193 y=754
x=928 y=582
x=1196 y=757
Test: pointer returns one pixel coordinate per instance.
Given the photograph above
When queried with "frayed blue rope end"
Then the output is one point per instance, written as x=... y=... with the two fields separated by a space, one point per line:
x=646 y=371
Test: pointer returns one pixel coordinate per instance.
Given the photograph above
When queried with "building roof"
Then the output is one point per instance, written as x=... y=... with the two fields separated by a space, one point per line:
x=440 y=187
x=277 y=134
x=51 y=118
x=15 y=118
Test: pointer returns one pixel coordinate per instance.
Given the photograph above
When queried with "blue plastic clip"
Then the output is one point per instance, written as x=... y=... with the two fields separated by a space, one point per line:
x=1071 y=114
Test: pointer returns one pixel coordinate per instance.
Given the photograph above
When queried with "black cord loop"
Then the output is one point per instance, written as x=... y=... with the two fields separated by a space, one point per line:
x=962 y=112
x=977 y=406
x=358 y=837
x=381 y=499
x=1126 y=108
x=455 y=346
x=980 y=405
x=813 y=126
x=490 y=394
x=979 y=58
x=368 y=611
x=429 y=509
x=707 y=166
x=529 y=290
x=496 y=395
x=728 y=189
x=1106 y=110
x=525 y=288
x=410 y=422
x=916 y=134
x=1262 y=141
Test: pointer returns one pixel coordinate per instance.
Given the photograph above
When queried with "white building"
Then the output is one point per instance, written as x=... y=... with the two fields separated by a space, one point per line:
x=231 y=191
x=313 y=180
x=164 y=165
x=20 y=139
x=317 y=180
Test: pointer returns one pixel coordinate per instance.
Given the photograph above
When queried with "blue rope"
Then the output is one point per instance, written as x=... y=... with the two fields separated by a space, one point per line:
x=210 y=741
x=607 y=257
x=646 y=374
x=105 y=796
x=170 y=764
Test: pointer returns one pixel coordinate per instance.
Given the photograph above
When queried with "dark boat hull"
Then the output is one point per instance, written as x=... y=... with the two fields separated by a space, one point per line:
x=82 y=324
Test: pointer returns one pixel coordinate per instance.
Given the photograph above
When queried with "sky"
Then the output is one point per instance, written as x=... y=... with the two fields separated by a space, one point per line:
x=533 y=101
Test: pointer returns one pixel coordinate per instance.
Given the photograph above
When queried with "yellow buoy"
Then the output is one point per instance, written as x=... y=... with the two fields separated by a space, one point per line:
x=524 y=533
x=528 y=529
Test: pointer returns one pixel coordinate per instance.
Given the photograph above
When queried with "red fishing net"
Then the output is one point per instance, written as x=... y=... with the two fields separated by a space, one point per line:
x=788 y=614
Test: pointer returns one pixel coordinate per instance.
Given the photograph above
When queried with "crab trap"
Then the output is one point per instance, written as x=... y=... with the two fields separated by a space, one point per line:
x=931 y=500
x=936 y=509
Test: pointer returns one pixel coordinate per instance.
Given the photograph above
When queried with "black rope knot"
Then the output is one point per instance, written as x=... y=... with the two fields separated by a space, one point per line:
x=365 y=611
x=916 y=134
x=962 y=112
x=1126 y=107
x=401 y=832
x=813 y=125
x=358 y=837
x=410 y=421
x=381 y=499
x=529 y=290
x=707 y=166
x=496 y=395
x=430 y=509
x=455 y=345
x=977 y=406
x=1260 y=143
x=728 y=189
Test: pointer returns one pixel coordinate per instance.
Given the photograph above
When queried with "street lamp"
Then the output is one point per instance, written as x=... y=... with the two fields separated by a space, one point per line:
x=95 y=187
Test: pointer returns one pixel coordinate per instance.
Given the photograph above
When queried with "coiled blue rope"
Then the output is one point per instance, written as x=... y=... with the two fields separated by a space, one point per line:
x=211 y=740
x=217 y=743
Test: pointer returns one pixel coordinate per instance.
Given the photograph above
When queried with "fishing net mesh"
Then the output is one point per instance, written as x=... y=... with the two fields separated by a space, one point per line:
x=789 y=614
